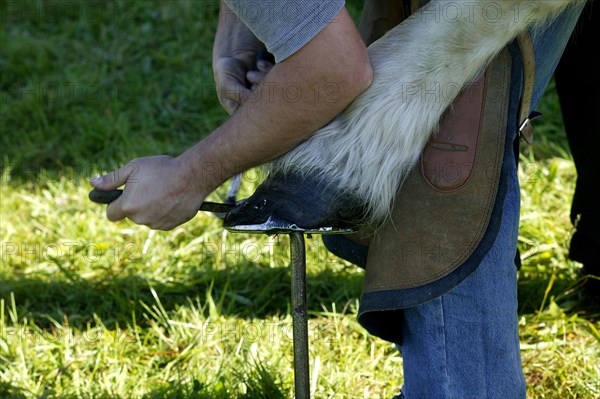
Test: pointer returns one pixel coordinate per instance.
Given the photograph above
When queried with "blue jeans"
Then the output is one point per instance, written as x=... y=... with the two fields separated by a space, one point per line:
x=465 y=343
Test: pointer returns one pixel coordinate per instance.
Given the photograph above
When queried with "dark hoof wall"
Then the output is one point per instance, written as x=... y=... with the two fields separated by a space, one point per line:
x=292 y=203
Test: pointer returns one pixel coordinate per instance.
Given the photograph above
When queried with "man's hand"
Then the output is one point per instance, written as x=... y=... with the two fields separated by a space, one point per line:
x=235 y=54
x=236 y=80
x=256 y=77
x=379 y=16
x=157 y=193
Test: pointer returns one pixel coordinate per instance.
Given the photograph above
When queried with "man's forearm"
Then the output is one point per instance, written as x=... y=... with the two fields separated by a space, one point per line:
x=297 y=97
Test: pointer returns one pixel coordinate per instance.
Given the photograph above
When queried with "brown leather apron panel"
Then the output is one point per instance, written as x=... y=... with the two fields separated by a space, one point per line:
x=444 y=207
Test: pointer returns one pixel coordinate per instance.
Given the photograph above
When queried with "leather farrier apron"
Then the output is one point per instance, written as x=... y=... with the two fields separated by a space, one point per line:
x=448 y=212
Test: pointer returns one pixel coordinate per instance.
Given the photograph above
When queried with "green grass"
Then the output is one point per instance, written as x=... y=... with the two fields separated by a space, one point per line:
x=94 y=309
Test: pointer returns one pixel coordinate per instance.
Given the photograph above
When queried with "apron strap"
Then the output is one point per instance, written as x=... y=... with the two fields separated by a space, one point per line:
x=528 y=57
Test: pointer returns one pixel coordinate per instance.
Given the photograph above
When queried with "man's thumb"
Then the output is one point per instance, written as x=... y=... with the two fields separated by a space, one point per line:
x=114 y=179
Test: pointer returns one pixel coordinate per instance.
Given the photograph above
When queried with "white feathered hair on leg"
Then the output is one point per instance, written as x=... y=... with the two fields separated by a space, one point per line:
x=419 y=67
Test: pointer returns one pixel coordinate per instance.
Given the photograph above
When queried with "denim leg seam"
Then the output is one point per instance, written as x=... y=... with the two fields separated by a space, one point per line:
x=445 y=336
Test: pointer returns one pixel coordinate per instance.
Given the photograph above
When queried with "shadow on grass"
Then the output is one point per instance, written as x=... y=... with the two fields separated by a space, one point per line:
x=250 y=292
x=264 y=386
x=243 y=293
x=253 y=292
x=8 y=391
x=578 y=296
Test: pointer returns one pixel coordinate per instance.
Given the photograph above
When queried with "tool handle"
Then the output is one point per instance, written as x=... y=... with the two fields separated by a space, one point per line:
x=106 y=197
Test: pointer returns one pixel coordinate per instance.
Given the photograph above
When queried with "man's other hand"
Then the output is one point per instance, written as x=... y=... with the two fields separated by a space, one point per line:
x=157 y=193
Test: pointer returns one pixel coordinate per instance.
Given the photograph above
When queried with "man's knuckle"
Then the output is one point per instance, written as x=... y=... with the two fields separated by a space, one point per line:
x=139 y=219
x=130 y=210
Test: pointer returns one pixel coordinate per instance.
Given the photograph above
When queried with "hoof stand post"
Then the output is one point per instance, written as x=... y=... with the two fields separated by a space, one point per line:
x=299 y=311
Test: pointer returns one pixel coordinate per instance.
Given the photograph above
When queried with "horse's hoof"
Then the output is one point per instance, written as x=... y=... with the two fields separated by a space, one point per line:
x=302 y=202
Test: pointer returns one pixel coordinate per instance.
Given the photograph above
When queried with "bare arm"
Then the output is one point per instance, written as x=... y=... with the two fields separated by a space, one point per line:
x=289 y=106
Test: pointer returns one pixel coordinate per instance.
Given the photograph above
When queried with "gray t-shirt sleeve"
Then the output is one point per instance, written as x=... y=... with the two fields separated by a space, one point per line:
x=285 y=26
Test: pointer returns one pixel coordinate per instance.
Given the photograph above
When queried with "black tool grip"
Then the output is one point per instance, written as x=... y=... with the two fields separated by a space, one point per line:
x=104 y=197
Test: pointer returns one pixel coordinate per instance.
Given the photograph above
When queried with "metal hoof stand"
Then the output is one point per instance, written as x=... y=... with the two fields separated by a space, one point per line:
x=299 y=312
x=298 y=263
